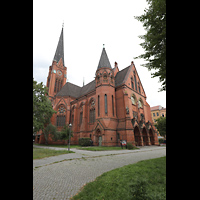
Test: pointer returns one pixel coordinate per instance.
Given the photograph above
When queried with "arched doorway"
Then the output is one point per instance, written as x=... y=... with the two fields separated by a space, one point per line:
x=98 y=137
x=151 y=136
x=137 y=136
x=145 y=137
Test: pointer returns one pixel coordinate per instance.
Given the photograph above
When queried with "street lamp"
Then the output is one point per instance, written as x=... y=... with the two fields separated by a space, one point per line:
x=70 y=126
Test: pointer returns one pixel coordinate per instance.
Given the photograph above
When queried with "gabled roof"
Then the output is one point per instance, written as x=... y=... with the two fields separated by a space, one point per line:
x=104 y=61
x=60 y=49
x=69 y=89
x=120 y=76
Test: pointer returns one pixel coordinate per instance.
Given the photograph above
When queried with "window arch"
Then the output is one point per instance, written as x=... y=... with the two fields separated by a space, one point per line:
x=60 y=119
x=106 y=106
x=132 y=84
x=140 y=103
x=81 y=112
x=133 y=99
x=92 y=110
x=135 y=82
x=72 y=115
x=139 y=87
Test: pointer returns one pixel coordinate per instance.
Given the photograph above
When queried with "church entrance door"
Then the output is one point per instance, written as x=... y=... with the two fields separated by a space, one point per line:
x=100 y=140
x=151 y=137
x=137 y=136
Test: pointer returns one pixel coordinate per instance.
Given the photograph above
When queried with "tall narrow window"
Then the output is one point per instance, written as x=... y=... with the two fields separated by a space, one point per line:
x=132 y=85
x=98 y=105
x=135 y=82
x=139 y=87
x=92 y=115
x=55 y=87
x=106 y=106
x=112 y=105
x=81 y=117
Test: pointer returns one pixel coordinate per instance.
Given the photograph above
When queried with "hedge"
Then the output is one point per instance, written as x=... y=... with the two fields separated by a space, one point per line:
x=84 y=141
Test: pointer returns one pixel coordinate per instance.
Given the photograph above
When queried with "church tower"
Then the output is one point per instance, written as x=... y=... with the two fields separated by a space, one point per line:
x=57 y=71
x=105 y=88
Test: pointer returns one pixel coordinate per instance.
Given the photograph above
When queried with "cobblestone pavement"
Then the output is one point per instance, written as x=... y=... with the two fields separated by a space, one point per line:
x=61 y=177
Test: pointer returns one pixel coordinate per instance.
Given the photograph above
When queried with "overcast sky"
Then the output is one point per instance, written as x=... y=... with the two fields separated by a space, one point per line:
x=88 y=24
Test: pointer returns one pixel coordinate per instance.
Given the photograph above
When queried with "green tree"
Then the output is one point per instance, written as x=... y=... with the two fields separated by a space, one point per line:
x=154 y=22
x=42 y=108
x=161 y=125
x=50 y=130
x=64 y=134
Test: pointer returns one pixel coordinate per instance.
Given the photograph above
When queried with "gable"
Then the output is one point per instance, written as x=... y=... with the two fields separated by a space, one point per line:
x=61 y=101
x=132 y=76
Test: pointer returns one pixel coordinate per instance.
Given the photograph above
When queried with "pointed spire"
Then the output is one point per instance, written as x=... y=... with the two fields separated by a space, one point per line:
x=60 y=49
x=104 y=61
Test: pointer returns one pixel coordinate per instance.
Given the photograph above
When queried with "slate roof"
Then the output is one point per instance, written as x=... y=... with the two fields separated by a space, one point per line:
x=69 y=89
x=60 y=49
x=104 y=61
x=121 y=76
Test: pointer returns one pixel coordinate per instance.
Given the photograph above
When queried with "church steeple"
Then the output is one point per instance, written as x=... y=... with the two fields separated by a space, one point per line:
x=60 y=50
x=104 y=61
x=57 y=71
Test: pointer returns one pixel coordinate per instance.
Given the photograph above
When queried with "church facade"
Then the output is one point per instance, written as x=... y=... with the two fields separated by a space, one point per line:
x=110 y=108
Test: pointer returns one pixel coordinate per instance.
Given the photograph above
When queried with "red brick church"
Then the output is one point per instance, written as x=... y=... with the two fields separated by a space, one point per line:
x=110 y=108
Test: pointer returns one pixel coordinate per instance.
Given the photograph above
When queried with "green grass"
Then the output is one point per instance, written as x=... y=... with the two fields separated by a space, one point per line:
x=145 y=180
x=59 y=145
x=39 y=153
x=98 y=148
x=89 y=148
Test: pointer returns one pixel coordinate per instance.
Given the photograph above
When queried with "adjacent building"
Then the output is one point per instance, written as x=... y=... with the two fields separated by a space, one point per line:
x=157 y=111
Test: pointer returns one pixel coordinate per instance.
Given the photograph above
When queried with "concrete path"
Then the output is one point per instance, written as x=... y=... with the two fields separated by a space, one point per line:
x=60 y=177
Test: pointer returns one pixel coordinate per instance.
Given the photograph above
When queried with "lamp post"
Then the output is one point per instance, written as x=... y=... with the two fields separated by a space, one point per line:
x=70 y=126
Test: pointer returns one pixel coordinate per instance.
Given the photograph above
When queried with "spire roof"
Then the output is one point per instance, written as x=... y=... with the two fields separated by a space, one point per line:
x=104 y=61
x=60 y=49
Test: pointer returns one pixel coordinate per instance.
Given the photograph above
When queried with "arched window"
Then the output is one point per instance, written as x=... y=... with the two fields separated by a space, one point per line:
x=112 y=105
x=72 y=116
x=56 y=83
x=140 y=103
x=132 y=85
x=139 y=87
x=98 y=105
x=106 y=106
x=92 y=111
x=60 y=121
x=81 y=113
x=133 y=99
x=135 y=82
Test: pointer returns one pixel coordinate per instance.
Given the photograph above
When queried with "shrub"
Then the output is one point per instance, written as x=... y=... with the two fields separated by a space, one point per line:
x=161 y=141
x=130 y=146
x=84 y=141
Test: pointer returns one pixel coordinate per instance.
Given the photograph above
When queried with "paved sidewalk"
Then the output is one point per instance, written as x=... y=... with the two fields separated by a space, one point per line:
x=64 y=179
x=84 y=153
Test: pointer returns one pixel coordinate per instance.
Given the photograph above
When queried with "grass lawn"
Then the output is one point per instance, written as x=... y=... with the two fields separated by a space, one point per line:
x=97 y=148
x=89 y=148
x=59 y=145
x=145 y=180
x=39 y=153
